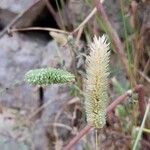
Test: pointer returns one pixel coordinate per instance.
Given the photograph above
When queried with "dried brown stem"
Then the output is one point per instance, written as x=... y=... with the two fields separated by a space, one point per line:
x=88 y=127
x=39 y=28
x=78 y=137
x=13 y=22
x=113 y=35
x=138 y=89
x=52 y=11
x=117 y=101
x=85 y=20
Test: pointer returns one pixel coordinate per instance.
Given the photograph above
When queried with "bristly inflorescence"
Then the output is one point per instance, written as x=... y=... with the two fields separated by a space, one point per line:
x=45 y=76
x=97 y=82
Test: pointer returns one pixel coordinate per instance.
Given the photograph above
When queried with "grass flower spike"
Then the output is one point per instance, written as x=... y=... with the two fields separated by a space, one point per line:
x=96 y=82
x=47 y=76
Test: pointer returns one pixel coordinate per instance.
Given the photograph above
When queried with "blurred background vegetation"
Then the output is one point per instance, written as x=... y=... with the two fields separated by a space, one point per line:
x=47 y=118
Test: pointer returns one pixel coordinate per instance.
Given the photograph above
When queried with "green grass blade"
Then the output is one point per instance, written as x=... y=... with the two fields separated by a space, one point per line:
x=141 y=128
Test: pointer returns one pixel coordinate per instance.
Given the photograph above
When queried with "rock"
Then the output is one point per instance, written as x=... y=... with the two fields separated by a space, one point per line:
x=18 y=55
x=9 y=9
x=5 y=17
x=15 y=6
x=39 y=137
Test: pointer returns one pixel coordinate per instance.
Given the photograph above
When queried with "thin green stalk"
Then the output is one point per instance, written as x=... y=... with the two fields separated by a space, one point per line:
x=60 y=16
x=104 y=28
x=145 y=130
x=87 y=36
x=96 y=140
x=141 y=127
x=88 y=2
x=125 y=33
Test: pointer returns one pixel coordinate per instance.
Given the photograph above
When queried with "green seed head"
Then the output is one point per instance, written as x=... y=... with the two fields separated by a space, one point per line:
x=47 y=76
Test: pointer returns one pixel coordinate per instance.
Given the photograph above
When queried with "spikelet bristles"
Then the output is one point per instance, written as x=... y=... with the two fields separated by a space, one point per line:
x=46 y=76
x=96 y=82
